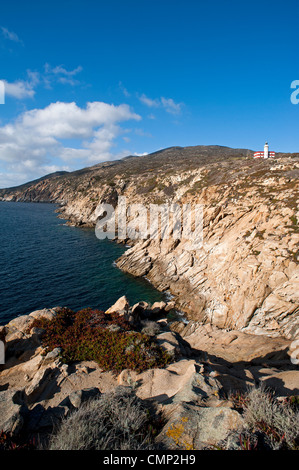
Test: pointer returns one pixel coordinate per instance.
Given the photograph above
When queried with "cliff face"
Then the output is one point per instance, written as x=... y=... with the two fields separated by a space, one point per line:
x=246 y=275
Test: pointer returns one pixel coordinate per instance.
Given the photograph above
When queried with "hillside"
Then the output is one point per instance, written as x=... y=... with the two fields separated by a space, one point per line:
x=246 y=276
x=52 y=188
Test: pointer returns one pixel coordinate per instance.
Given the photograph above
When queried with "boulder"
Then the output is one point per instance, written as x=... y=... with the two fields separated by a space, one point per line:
x=173 y=344
x=163 y=384
x=191 y=427
x=138 y=312
x=19 y=324
x=43 y=381
x=140 y=307
x=47 y=313
x=12 y=408
x=78 y=397
x=158 y=307
x=52 y=356
x=17 y=334
x=120 y=306
x=2 y=333
x=20 y=337
x=197 y=388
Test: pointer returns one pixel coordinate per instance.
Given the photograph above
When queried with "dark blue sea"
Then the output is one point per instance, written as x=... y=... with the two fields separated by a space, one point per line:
x=44 y=264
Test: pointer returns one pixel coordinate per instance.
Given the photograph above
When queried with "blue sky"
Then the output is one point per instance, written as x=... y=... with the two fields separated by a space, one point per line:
x=90 y=81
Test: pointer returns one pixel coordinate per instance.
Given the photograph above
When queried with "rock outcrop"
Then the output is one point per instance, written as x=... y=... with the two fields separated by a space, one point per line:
x=245 y=276
x=239 y=292
x=190 y=427
x=38 y=390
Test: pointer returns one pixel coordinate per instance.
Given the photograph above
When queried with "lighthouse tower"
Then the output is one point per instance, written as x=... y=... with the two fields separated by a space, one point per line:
x=265 y=153
x=266 y=150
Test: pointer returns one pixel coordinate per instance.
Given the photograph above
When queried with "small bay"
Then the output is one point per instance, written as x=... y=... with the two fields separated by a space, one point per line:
x=45 y=263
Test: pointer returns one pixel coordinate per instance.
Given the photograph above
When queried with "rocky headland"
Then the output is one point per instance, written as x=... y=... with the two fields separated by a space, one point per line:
x=239 y=292
x=246 y=275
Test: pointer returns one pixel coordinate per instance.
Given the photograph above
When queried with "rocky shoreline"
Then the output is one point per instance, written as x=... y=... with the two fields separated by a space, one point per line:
x=246 y=276
x=240 y=293
x=209 y=365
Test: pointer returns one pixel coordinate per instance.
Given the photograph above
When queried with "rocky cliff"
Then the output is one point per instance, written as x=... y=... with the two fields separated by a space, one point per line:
x=246 y=275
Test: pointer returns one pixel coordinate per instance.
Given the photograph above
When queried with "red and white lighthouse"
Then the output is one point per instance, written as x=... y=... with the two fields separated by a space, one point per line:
x=265 y=153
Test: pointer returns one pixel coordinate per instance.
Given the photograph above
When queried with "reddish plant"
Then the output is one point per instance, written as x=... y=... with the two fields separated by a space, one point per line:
x=85 y=335
x=247 y=443
x=9 y=442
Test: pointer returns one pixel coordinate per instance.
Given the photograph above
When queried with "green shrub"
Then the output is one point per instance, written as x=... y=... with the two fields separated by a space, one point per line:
x=90 y=335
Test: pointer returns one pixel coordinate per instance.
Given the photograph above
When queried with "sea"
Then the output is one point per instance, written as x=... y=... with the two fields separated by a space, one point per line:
x=45 y=263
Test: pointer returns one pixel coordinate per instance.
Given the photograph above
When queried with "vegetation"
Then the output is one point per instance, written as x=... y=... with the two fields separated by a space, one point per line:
x=105 y=338
x=121 y=421
x=114 y=421
x=270 y=424
x=9 y=442
x=294 y=224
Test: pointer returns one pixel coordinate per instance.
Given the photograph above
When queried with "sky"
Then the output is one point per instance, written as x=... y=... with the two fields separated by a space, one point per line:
x=82 y=82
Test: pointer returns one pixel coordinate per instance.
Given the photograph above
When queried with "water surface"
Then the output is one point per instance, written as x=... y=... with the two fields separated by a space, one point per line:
x=44 y=263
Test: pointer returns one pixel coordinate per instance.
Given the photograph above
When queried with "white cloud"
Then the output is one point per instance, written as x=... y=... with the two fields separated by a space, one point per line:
x=22 y=89
x=170 y=106
x=167 y=103
x=10 y=35
x=149 y=102
x=40 y=138
x=18 y=89
x=61 y=74
x=59 y=69
x=124 y=90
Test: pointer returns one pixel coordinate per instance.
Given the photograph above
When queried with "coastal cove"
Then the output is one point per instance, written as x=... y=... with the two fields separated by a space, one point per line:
x=45 y=263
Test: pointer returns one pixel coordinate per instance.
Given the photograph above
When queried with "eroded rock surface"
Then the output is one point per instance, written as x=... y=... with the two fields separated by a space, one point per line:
x=37 y=390
x=245 y=276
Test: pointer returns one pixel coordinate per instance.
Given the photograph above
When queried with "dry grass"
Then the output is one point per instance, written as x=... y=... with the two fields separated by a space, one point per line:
x=114 y=421
x=276 y=419
x=269 y=423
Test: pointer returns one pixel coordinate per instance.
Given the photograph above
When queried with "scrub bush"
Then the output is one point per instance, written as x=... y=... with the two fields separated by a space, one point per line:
x=87 y=335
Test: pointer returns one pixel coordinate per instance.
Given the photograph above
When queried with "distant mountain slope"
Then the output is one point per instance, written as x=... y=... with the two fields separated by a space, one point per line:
x=38 y=180
x=169 y=158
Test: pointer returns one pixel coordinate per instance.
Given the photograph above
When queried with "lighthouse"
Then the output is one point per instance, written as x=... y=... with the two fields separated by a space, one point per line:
x=266 y=150
x=265 y=153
